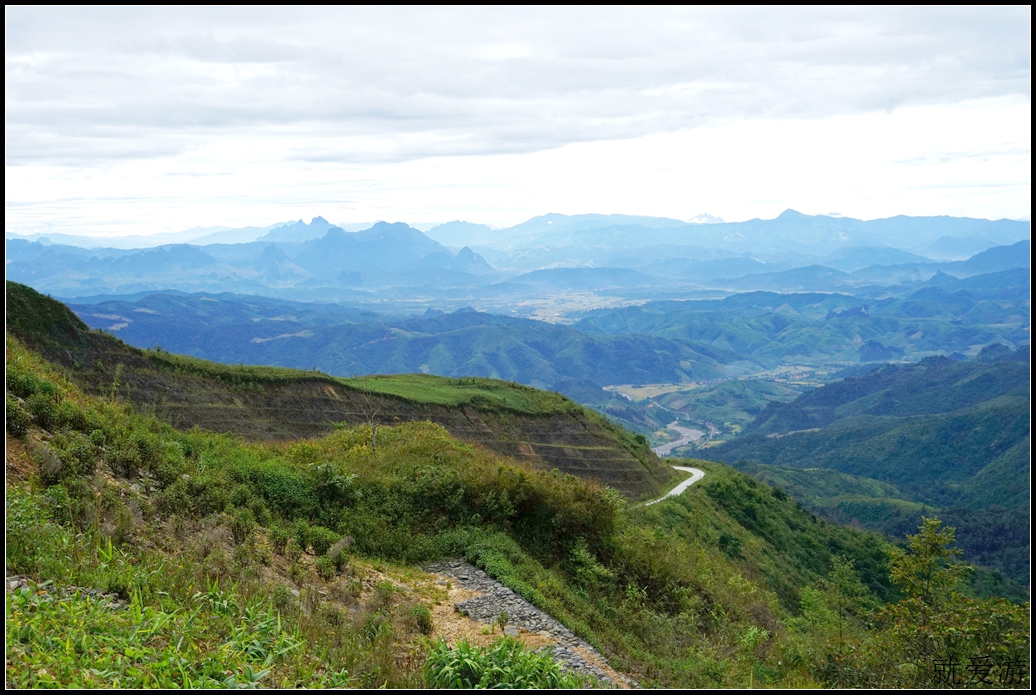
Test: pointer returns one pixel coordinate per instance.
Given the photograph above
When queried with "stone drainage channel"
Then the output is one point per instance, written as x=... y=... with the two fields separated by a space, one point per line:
x=569 y=652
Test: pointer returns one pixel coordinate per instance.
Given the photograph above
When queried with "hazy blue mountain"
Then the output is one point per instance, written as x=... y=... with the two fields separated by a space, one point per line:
x=383 y=247
x=992 y=260
x=58 y=270
x=242 y=235
x=298 y=231
x=811 y=278
x=460 y=233
x=197 y=236
x=859 y=257
x=949 y=248
x=818 y=235
x=396 y=260
x=1010 y=284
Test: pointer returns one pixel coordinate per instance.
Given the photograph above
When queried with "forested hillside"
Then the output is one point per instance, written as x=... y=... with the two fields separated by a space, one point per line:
x=937 y=436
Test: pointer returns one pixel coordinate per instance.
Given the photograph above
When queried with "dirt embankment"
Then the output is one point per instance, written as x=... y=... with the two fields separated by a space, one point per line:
x=270 y=409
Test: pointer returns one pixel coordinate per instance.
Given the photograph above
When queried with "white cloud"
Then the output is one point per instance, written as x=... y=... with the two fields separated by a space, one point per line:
x=146 y=120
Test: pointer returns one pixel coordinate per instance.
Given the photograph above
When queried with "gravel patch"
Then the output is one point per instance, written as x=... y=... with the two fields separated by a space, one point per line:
x=569 y=652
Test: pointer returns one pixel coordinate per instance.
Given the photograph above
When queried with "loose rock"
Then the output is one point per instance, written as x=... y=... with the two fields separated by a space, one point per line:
x=522 y=615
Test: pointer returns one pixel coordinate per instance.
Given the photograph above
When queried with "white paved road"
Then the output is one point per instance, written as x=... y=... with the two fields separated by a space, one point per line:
x=696 y=475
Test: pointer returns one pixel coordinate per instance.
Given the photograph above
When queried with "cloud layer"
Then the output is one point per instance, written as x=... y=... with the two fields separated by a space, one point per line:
x=359 y=86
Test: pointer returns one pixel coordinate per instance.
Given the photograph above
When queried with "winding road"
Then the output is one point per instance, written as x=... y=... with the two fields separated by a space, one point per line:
x=696 y=475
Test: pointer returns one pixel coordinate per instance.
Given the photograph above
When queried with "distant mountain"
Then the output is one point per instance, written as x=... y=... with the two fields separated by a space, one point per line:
x=299 y=231
x=770 y=328
x=343 y=341
x=459 y=233
x=635 y=257
x=934 y=385
x=859 y=257
x=59 y=269
x=992 y=260
x=815 y=235
x=466 y=263
x=809 y=279
x=383 y=247
x=198 y=235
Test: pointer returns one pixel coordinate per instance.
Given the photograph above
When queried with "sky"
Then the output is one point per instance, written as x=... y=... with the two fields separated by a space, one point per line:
x=136 y=121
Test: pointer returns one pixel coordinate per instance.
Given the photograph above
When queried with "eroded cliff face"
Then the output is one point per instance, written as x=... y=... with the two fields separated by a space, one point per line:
x=297 y=406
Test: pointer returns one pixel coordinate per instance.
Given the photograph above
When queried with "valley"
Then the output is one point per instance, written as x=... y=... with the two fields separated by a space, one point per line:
x=631 y=452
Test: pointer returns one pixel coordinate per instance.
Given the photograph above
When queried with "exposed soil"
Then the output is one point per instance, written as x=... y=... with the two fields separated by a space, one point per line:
x=301 y=408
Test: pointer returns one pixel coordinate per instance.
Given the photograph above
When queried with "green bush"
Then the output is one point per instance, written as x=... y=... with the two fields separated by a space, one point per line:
x=242 y=523
x=18 y=418
x=505 y=664
x=279 y=536
x=43 y=409
x=77 y=453
x=321 y=539
x=326 y=567
x=423 y=618
x=72 y=416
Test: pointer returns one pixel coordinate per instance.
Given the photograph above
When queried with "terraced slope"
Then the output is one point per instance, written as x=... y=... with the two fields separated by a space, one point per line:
x=263 y=403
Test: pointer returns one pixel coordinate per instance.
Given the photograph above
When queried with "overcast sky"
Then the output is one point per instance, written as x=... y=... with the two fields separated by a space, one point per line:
x=121 y=121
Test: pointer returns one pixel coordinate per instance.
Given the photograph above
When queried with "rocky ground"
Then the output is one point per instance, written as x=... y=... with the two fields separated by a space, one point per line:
x=491 y=598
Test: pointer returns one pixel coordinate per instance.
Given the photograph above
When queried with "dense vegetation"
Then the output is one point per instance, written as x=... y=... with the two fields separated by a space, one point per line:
x=770 y=328
x=201 y=538
x=885 y=448
x=255 y=330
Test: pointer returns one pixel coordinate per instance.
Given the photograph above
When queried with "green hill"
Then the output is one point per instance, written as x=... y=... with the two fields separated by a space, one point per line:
x=159 y=557
x=884 y=449
x=258 y=330
x=932 y=386
x=541 y=427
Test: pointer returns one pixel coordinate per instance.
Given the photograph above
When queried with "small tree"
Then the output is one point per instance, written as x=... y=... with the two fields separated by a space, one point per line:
x=927 y=572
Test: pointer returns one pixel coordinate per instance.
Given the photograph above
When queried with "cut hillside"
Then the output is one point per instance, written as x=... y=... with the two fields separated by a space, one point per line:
x=269 y=403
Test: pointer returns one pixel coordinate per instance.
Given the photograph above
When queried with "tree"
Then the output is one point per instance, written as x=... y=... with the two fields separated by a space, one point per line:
x=936 y=636
x=927 y=571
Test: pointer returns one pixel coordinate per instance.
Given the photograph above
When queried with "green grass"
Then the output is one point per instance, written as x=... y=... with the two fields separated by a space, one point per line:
x=506 y=664
x=481 y=394
x=691 y=592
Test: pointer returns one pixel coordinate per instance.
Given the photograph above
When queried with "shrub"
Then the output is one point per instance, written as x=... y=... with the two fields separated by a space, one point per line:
x=43 y=409
x=77 y=453
x=423 y=618
x=240 y=496
x=325 y=567
x=18 y=418
x=505 y=664
x=321 y=539
x=70 y=415
x=242 y=523
x=279 y=536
